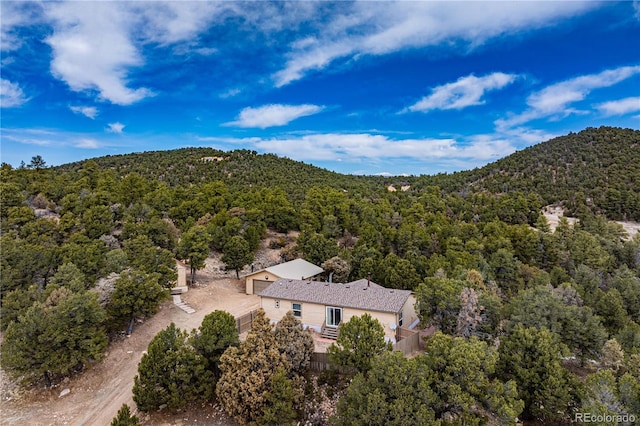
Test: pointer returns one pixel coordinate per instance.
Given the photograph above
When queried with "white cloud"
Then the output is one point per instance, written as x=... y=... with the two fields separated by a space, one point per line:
x=115 y=127
x=87 y=111
x=466 y=91
x=92 y=49
x=87 y=143
x=273 y=115
x=379 y=28
x=230 y=93
x=11 y=95
x=95 y=45
x=555 y=100
x=365 y=146
x=37 y=137
x=620 y=107
x=16 y=14
x=173 y=22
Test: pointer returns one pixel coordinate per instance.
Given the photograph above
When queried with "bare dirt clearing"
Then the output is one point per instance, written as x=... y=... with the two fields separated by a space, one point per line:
x=554 y=213
x=97 y=394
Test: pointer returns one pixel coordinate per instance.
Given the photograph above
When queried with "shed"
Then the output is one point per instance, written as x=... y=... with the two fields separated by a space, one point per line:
x=294 y=269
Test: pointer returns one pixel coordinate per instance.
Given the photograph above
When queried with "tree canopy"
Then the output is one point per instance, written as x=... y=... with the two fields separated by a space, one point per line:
x=359 y=340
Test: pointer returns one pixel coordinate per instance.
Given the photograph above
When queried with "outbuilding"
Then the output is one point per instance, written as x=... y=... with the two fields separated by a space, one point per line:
x=257 y=281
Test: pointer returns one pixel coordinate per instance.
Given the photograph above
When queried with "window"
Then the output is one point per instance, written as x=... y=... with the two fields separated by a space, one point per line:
x=400 y=319
x=277 y=304
x=297 y=309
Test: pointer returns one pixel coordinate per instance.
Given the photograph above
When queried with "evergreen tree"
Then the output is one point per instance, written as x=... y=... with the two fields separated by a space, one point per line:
x=280 y=400
x=462 y=372
x=532 y=358
x=194 y=246
x=69 y=276
x=236 y=254
x=171 y=373
x=629 y=338
x=294 y=342
x=136 y=295
x=558 y=310
x=55 y=337
x=217 y=332
x=359 y=340
x=148 y=258
x=16 y=302
x=37 y=163
x=396 y=391
x=125 y=418
x=247 y=370
x=438 y=302
x=607 y=396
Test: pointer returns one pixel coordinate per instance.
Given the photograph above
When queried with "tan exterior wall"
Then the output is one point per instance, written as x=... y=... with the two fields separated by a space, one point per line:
x=314 y=315
x=182 y=275
x=384 y=318
x=409 y=314
x=260 y=275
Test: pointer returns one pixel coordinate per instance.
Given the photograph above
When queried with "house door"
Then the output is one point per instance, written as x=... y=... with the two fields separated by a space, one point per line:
x=334 y=316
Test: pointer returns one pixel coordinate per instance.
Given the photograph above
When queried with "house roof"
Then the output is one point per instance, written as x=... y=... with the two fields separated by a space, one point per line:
x=295 y=269
x=355 y=295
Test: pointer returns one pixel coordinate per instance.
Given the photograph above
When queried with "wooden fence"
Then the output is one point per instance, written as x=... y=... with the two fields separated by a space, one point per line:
x=408 y=345
x=243 y=323
x=410 y=342
x=319 y=362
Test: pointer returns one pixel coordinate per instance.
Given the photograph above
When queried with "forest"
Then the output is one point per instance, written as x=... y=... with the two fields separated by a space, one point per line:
x=533 y=324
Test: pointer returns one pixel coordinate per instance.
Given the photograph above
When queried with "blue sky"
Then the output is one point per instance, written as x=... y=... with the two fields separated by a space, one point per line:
x=354 y=87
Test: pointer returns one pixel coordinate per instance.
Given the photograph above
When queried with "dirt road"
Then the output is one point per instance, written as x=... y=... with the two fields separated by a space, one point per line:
x=97 y=394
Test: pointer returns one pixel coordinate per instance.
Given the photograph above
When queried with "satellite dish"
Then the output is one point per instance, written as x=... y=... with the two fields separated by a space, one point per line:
x=392 y=326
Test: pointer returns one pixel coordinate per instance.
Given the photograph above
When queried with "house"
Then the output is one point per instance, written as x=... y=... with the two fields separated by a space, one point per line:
x=296 y=269
x=323 y=306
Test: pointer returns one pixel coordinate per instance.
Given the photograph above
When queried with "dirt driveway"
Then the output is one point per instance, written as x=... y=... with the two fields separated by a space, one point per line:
x=97 y=394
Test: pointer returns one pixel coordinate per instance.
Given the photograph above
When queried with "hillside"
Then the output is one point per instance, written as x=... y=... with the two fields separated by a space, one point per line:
x=237 y=169
x=89 y=249
x=597 y=168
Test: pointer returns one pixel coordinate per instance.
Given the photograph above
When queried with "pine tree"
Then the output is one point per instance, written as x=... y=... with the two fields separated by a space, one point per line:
x=125 y=418
x=55 y=337
x=532 y=358
x=247 y=370
x=396 y=391
x=359 y=340
x=194 y=246
x=216 y=333
x=136 y=294
x=69 y=276
x=295 y=342
x=280 y=399
x=171 y=373
x=237 y=254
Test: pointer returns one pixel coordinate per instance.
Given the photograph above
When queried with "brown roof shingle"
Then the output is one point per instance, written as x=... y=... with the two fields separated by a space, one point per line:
x=355 y=295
